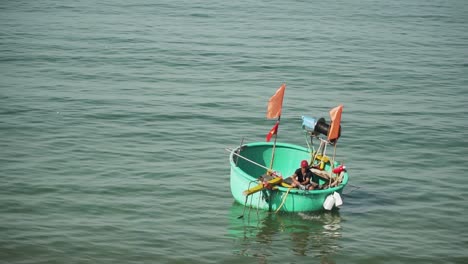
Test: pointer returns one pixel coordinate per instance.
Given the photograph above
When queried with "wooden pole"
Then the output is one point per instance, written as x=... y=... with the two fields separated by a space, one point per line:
x=242 y=157
x=332 y=164
x=274 y=144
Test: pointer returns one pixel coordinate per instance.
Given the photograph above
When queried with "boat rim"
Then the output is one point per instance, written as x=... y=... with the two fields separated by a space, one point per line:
x=280 y=188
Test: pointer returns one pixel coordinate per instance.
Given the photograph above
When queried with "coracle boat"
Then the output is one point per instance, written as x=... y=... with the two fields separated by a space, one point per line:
x=260 y=171
x=277 y=193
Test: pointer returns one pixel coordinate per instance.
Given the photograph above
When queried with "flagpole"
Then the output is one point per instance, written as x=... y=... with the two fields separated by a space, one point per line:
x=274 y=144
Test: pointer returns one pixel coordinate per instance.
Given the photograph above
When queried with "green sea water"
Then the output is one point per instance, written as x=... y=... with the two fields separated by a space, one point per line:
x=115 y=116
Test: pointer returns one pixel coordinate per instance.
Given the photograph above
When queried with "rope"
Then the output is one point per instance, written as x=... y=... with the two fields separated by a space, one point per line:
x=247 y=197
x=250 y=206
x=320 y=150
x=239 y=149
x=284 y=200
x=355 y=188
x=260 y=197
x=258 y=202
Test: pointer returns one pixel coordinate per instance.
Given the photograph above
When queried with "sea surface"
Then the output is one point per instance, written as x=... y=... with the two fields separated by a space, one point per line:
x=115 y=117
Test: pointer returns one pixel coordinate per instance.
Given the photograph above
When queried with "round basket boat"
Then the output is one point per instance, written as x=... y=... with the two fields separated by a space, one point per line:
x=248 y=164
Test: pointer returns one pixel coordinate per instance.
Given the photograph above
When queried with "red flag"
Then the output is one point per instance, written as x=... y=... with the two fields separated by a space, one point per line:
x=276 y=103
x=272 y=132
x=335 y=115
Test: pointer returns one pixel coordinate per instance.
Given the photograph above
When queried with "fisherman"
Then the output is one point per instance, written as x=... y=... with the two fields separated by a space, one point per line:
x=302 y=177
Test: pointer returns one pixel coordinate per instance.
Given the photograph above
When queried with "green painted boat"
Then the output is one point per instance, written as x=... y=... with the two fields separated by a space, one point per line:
x=249 y=161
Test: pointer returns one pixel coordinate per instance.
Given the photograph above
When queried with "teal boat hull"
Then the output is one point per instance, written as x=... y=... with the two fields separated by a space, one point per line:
x=244 y=175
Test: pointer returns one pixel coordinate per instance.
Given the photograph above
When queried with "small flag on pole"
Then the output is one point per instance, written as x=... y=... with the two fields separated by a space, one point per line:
x=276 y=103
x=335 y=116
x=272 y=132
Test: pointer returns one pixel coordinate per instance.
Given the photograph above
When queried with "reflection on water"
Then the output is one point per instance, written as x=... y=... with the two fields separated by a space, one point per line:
x=262 y=234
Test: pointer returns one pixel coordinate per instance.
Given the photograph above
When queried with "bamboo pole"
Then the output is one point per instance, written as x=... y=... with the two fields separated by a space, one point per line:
x=274 y=144
x=332 y=164
x=251 y=161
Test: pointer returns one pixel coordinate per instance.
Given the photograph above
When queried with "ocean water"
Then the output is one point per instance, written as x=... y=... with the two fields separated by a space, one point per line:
x=115 y=116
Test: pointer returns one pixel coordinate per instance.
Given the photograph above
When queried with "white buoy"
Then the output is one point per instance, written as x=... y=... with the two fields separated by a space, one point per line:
x=329 y=202
x=338 y=200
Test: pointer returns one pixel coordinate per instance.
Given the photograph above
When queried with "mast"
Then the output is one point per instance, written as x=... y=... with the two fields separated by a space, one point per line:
x=274 y=144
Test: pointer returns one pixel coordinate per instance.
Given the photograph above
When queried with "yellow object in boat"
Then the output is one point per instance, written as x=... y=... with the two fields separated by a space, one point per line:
x=322 y=158
x=263 y=185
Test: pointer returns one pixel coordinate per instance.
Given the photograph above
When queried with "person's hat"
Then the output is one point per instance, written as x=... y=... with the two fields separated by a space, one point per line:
x=304 y=164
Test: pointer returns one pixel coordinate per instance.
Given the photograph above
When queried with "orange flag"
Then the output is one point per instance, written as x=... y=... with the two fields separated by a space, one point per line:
x=335 y=116
x=272 y=132
x=276 y=103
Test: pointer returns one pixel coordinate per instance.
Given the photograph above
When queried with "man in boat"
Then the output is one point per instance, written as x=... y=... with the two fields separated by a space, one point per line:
x=303 y=177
